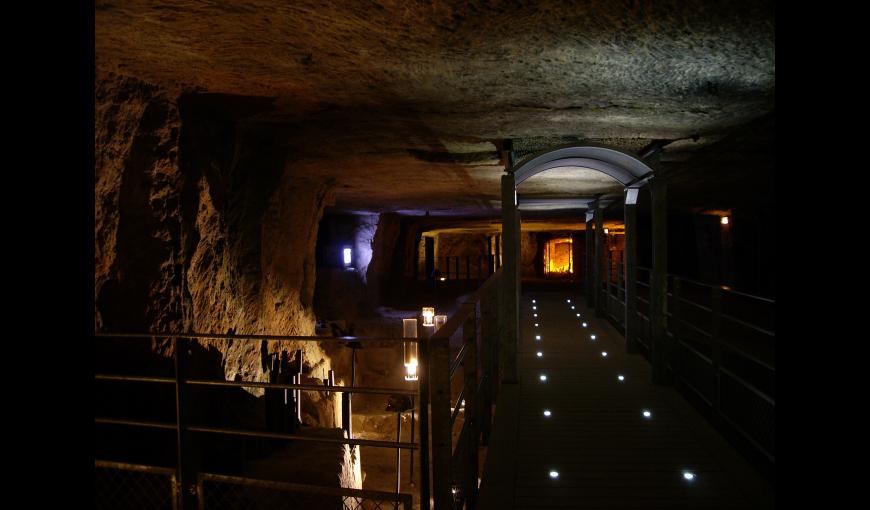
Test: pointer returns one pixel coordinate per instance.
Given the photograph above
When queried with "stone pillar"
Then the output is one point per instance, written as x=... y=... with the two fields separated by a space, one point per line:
x=659 y=282
x=590 y=257
x=598 y=272
x=631 y=271
x=510 y=285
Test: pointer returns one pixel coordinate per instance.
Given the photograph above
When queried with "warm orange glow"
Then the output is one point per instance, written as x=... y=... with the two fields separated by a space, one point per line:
x=558 y=256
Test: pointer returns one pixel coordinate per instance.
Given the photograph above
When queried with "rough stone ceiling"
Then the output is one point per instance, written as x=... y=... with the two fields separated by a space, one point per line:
x=405 y=102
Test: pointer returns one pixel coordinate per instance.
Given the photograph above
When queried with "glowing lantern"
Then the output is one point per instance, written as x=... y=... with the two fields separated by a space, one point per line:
x=724 y=220
x=410 y=331
x=428 y=316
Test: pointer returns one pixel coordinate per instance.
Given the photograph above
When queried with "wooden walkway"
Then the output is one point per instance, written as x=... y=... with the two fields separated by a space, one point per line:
x=606 y=453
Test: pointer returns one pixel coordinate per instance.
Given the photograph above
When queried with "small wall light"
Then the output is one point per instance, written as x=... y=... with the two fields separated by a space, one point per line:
x=410 y=331
x=537 y=337
x=347 y=256
x=606 y=231
x=428 y=316
x=584 y=324
x=689 y=476
x=724 y=220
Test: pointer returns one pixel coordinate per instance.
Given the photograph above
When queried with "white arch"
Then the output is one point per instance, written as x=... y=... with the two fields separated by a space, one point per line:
x=622 y=167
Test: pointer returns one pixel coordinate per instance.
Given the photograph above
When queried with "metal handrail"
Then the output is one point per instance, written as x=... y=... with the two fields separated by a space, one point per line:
x=123 y=466
x=246 y=337
x=696 y=305
x=748 y=325
x=302 y=437
x=308 y=387
x=134 y=378
x=136 y=423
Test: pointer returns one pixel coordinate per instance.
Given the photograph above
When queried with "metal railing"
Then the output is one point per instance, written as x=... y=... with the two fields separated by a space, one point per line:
x=722 y=346
x=455 y=456
x=469 y=268
x=118 y=484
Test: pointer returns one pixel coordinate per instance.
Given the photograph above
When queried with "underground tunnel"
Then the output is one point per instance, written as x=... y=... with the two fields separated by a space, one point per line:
x=434 y=255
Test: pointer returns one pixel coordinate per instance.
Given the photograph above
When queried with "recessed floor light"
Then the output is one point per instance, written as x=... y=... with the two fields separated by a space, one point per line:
x=603 y=354
x=572 y=307
x=533 y=301
x=547 y=412
x=584 y=324
x=543 y=377
x=554 y=474
x=540 y=354
x=592 y=337
x=537 y=337
x=534 y=308
x=536 y=324
x=569 y=300
x=578 y=315
x=689 y=476
x=647 y=414
x=621 y=377
x=535 y=315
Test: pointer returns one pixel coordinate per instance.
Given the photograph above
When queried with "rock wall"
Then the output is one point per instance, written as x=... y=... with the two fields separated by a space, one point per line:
x=201 y=225
x=529 y=253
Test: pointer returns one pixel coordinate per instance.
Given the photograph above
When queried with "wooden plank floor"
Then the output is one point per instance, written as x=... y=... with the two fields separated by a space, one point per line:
x=606 y=453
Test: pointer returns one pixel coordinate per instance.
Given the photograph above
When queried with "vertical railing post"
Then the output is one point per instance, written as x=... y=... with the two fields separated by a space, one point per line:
x=590 y=261
x=442 y=449
x=469 y=369
x=715 y=344
x=510 y=285
x=489 y=360
x=424 y=368
x=187 y=469
x=599 y=259
x=658 y=297
x=631 y=270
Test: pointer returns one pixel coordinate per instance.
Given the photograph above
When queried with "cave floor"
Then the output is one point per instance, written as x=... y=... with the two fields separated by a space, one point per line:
x=606 y=453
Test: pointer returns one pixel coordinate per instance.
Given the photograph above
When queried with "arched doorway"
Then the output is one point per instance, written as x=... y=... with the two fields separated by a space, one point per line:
x=627 y=169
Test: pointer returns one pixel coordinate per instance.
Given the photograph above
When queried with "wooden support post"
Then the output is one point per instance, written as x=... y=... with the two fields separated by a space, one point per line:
x=442 y=448
x=469 y=368
x=658 y=296
x=599 y=260
x=467 y=267
x=510 y=285
x=187 y=458
x=631 y=278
